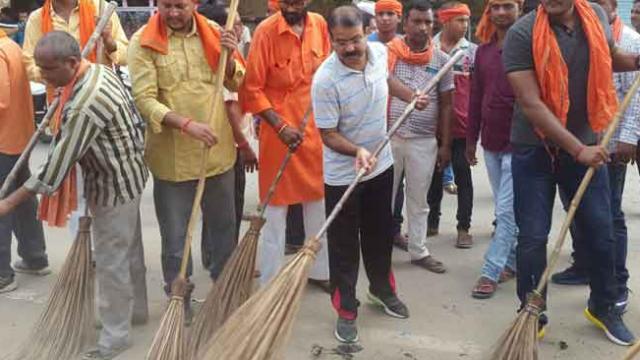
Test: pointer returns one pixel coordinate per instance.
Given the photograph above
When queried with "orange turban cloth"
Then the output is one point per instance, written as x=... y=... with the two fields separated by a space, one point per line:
x=486 y=29
x=389 y=5
x=447 y=14
x=273 y=6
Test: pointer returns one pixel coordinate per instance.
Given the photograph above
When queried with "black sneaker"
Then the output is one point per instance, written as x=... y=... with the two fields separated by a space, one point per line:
x=570 y=276
x=611 y=323
x=622 y=302
x=23 y=267
x=346 y=331
x=7 y=284
x=391 y=305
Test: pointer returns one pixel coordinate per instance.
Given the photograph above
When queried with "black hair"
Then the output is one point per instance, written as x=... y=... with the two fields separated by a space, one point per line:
x=214 y=12
x=345 y=16
x=366 y=19
x=420 y=5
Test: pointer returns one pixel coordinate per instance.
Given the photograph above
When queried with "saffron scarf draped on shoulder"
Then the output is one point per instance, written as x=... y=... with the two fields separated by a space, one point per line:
x=553 y=75
x=156 y=38
x=616 y=28
x=55 y=209
x=399 y=50
x=486 y=29
x=87 y=10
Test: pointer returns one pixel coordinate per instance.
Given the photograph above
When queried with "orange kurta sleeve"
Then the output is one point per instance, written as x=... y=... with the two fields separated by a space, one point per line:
x=252 y=95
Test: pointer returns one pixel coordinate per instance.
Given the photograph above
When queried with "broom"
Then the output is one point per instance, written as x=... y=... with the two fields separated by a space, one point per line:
x=169 y=343
x=520 y=341
x=631 y=354
x=259 y=329
x=66 y=326
x=26 y=153
x=235 y=284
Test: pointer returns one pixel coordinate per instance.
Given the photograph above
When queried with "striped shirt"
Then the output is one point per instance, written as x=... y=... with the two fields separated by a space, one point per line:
x=421 y=123
x=629 y=129
x=355 y=103
x=102 y=132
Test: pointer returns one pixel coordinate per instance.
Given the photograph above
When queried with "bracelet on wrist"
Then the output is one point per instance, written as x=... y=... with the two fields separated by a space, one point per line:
x=185 y=125
x=243 y=145
x=281 y=128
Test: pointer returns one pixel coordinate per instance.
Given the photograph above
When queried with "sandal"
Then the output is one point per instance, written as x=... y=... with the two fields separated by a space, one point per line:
x=506 y=275
x=484 y=289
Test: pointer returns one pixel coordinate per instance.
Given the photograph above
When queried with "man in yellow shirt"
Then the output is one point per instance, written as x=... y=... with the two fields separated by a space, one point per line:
x=78 y=18
x=173 y=63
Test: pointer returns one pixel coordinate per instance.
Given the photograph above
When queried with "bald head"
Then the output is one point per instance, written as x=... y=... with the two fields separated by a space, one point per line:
x=58 y=45
x=58 y=56
x=345 y=16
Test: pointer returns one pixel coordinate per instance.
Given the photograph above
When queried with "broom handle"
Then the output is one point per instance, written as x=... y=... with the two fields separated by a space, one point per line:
x=633 y=351
x=100 y=45
x=272 y=188
x=217 y=98
x=575 y=202
x=407 y=111
x=26 y=153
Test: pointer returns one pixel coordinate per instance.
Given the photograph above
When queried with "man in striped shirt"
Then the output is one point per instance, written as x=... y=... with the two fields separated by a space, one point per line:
x=99 y=130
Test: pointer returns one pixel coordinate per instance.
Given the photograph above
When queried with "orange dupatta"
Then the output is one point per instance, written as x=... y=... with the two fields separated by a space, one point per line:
x=616 y=28
x=156 y=38
x=553 y=75
x=399 y=50
x=55 y=209
x=87 y=22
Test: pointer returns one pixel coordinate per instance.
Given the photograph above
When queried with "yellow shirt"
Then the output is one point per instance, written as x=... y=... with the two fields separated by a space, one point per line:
x=181 y=81
x=33 y=33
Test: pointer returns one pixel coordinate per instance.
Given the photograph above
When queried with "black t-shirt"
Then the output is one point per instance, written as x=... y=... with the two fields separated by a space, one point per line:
x=517 y=55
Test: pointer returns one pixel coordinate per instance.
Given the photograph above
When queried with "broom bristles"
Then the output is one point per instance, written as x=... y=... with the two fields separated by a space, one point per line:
x=520 y=341
x=259 y=329
x=169 y=343
x=67 y=324
x=232 y=289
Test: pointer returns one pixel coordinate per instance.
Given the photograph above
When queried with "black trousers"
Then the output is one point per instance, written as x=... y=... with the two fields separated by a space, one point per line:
x=462 y=173
x=364 y=224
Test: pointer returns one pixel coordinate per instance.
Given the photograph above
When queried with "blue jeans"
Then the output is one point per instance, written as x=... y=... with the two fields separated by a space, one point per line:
x=535 y=177
x=502 y=249
x=447 y=175
x=617 y=175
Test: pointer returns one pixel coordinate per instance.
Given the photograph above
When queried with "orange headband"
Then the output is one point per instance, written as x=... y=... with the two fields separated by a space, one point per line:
x=448 y=14
x=389 y=5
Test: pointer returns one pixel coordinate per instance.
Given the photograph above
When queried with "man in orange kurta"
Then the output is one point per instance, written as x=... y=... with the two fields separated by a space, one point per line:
x=286 y=50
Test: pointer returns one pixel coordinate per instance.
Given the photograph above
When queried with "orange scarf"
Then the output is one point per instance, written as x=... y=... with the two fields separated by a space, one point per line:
x=2 y=34
x=486 y=29
x=448 y=14
x=155 y=37
x=616 y=28
x=55 y=209
x=399 y=50
x=553 y=75
x=87 y=22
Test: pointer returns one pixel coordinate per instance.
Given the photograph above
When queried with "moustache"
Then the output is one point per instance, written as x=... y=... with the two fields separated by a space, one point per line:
x=352 y=54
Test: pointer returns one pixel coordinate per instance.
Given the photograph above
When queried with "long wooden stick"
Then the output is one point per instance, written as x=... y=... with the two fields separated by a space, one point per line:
x=217 y=98
x=26 y=153
x=635 y=349
x=575 y=202
x=272 y=188
x=407 y=111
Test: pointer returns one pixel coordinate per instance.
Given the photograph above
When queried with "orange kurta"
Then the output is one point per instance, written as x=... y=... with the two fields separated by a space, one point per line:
x=280 y=68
